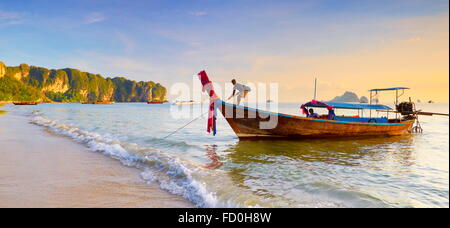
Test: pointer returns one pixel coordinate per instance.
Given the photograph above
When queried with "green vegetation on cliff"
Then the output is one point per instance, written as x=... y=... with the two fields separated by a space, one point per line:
x=12 y=89
x=30 y=83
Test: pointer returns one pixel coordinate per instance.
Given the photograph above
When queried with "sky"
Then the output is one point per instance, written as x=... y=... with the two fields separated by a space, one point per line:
x=352 y=45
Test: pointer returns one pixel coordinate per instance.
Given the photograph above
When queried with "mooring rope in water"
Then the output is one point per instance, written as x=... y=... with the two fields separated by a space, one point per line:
x=185 y=125
x=188 y=123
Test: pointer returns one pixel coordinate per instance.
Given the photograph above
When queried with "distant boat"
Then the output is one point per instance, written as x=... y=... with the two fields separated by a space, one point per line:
x=155 y=102
x=430 y=102
x=269 y=101
x=99 y=102
x=191 y=102
x=25 y=103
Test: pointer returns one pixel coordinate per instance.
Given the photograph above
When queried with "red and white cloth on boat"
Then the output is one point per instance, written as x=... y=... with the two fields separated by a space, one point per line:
x=315 y=102
x=209 y=88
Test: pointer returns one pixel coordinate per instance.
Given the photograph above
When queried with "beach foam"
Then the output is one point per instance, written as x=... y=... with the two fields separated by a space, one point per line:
x=172 y=174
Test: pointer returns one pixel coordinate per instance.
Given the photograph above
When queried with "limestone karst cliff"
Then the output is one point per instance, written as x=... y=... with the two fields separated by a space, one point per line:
x=32 y=83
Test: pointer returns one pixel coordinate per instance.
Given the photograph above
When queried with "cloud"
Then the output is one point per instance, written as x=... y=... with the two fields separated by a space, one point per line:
x=4 y=15
x=128 y=44
x=135 y=68
x=11 y=18
x=413 y=39
x=198 y=13
x=94 y=18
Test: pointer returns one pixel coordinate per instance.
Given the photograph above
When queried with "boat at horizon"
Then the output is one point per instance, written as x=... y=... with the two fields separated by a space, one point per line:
x=155 y=102
x=99 y=102
x=190 y=102
x=25 y=103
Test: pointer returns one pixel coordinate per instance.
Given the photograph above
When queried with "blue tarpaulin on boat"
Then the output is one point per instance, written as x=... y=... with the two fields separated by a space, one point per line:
x=351 y=106
x=361 y=119
x=386 y=89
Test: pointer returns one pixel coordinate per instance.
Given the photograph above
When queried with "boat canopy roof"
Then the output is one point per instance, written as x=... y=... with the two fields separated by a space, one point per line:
x=387 y=89
x=347 y=105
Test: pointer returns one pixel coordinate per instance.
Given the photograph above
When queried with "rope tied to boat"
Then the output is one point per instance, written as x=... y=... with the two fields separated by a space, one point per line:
x=193 y=120
x=418 y=127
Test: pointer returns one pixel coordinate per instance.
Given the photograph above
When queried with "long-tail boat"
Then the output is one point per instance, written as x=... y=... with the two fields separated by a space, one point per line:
x=155 y=102
x=25 y=103
x=99 y=102
x=247 y=123
x=190 y=102
x=250 y=123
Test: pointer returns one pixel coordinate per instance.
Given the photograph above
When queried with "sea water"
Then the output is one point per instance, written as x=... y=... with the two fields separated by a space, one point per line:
x=222 y=171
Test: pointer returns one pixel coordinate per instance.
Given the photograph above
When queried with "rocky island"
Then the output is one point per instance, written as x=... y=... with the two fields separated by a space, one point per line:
x=350 y=97
x=364 y=100
x=346 y=97
x=32 y=83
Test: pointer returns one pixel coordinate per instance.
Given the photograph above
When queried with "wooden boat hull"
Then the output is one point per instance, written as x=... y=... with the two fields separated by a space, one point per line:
x=100 y=102
x=245 y=122
x=25 y=103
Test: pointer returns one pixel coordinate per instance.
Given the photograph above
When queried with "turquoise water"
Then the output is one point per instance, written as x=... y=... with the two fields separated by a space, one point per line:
x=221 y=171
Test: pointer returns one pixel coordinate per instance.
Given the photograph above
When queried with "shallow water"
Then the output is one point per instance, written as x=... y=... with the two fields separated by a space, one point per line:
x=221 y=171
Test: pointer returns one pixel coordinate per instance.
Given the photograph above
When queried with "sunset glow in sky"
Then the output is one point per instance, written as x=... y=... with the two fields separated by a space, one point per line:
x=348 y=45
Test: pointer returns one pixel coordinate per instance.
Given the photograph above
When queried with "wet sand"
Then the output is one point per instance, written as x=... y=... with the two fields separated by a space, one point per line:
x=41 y=169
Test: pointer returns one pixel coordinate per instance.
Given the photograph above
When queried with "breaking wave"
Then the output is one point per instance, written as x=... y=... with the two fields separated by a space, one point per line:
x=171 y=173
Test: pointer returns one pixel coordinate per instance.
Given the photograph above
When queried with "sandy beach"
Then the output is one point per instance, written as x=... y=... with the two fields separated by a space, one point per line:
x=41 y=169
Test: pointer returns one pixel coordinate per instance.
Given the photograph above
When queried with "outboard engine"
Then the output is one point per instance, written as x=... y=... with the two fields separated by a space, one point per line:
x=405 y=108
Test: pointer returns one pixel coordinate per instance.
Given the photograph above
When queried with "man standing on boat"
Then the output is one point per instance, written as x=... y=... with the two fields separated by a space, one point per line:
x=243 y=90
